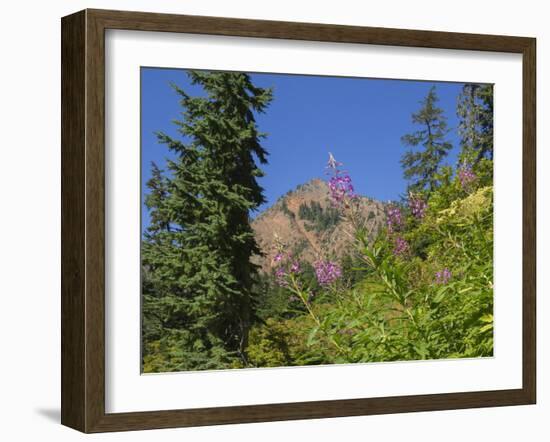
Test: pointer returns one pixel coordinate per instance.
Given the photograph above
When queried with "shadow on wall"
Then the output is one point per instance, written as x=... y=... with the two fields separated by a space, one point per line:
x=51 y=414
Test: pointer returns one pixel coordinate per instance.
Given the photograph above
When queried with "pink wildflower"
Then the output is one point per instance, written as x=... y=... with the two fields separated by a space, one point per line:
x=327 y=272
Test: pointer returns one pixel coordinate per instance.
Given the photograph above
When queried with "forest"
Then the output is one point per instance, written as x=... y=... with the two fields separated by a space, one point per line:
x=414 y=283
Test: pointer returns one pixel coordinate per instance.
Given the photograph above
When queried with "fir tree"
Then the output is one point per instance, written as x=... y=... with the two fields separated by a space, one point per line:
x=158 y=191
x=475 y=112
x=196 y=252
x=421 y=165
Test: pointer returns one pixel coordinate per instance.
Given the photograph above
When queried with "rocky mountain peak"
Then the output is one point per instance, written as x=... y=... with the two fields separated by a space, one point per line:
x=306 y=222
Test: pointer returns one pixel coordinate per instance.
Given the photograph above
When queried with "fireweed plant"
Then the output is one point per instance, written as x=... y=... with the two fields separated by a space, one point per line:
x=426 y=286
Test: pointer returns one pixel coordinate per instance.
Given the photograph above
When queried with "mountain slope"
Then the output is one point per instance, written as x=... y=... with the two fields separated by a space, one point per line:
x=309 y=227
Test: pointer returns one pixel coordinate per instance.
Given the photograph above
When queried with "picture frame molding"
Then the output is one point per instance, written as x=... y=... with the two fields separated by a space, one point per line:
x=83 y=220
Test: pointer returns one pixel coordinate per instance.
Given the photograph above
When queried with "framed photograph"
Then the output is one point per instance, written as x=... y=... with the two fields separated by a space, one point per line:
x=267 y=221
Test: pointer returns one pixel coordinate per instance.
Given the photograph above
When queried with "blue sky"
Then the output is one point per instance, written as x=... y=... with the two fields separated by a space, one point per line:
x=359 y=120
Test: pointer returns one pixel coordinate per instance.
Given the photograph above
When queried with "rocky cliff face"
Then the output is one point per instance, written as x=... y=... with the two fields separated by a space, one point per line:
x=309 y=227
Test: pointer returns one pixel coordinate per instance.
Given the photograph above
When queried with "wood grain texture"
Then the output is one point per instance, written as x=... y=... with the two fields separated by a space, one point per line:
x=529 y=220
x=73 y=253
x=95 y=222
x=145 y=21
x=83 y=220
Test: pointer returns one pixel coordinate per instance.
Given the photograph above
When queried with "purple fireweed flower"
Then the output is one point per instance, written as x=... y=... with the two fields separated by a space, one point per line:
x=327 y=272
x=418 y=206
x=443 y=277
x=280 y=277
x=394 y=219
x=285 y=266
x=341 y=189
x=466 y=176
x=281 y=259
x=295 y=267
x=401 y=247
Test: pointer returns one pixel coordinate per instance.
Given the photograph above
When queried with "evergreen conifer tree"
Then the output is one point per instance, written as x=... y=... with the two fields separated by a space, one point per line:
x=196 y=253
x=475 y=112
x=420 y=166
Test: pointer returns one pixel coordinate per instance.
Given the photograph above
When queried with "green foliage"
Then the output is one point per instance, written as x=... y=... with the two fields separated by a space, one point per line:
x=319 y=219
x=274 y=301
x=300 y=247
x=277 y=343
x=198 y=302
x=475 y=111
x=420 y=166
x=286 y=210
x=397 y=310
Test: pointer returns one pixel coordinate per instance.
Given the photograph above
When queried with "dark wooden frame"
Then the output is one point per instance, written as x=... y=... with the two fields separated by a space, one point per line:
x=83 y=216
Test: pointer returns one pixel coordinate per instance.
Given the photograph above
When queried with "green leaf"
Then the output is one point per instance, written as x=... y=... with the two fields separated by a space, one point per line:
x=486 y=328
x=440 y=294
x=311 y=335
